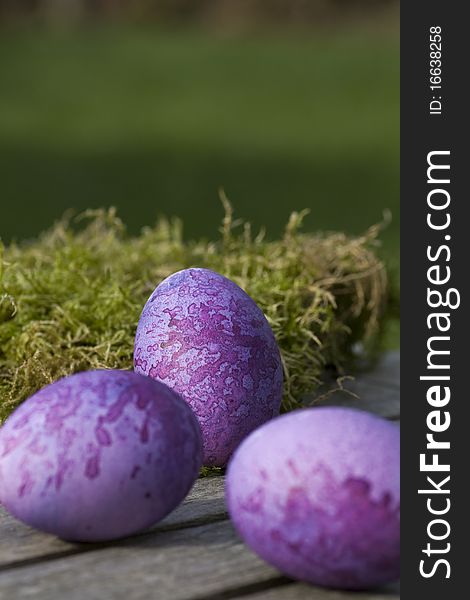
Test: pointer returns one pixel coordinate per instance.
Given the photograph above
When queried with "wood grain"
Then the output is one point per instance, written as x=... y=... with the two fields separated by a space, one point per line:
x=369 y=396
x=302 y=591
x=193 y=554
x=386 y=372
x=20 y=543
x=174 y=565
x=377 y=391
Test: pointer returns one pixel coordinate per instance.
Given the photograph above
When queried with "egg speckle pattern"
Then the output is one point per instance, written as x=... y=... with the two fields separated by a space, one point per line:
x=98 y=455
x=316 y=493
x=207 y=339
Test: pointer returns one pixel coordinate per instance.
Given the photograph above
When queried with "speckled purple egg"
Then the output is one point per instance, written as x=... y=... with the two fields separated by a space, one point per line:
x=98 y=455
x=316 y=493
x=207 y=339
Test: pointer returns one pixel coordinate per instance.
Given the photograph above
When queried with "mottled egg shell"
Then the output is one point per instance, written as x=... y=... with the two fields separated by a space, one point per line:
x=316 y=493
x=207 y=339
x=98 y=455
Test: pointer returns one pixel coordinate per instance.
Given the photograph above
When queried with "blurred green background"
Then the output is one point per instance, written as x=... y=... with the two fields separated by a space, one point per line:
x=153 y=105
x=153 y=111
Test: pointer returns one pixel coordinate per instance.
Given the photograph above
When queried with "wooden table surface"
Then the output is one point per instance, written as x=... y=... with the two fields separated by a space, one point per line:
x=193 y=554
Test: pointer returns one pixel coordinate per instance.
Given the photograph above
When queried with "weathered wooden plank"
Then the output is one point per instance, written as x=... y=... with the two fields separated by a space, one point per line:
x=175 y=565
x=193 y=563
x=302 y=591
x=369 y=396
x=386 y=372
x=377 y=391
x=200 y=562
x=20 y=543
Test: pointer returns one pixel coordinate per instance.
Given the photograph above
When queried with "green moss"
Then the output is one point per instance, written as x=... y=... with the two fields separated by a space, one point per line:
x=70 y=300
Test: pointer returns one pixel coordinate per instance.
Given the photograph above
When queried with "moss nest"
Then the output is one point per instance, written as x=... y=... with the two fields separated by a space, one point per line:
x=70 y=300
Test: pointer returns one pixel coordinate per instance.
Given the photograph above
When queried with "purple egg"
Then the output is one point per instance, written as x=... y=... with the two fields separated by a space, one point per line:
x=208 y=340
x=316 y=493
x=98 y=455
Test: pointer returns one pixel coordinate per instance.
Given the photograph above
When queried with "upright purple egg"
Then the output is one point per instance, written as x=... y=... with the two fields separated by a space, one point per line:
x=208 y=340
x=98 y=455
x=316 y=493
